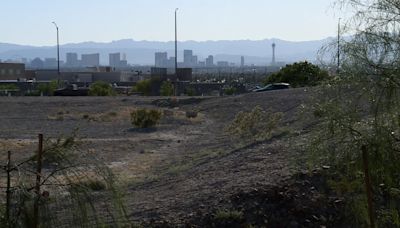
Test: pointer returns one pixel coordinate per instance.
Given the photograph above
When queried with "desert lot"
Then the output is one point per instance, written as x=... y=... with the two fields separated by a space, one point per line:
x=179 y=169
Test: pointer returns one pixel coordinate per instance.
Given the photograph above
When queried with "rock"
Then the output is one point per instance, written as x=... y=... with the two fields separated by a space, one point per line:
x=315 y=218
x=338 y=201
x=191 y=114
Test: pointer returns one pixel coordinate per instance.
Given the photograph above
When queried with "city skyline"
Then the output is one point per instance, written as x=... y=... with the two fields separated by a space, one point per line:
x=152 y=20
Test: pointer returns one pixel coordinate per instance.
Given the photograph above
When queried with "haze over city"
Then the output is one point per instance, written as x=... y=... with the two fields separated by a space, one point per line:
x=104 y=21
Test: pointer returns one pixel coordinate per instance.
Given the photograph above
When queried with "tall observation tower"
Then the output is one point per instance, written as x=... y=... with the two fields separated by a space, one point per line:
x=273 y=54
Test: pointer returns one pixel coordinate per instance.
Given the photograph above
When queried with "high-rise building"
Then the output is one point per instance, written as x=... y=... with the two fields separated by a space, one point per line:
x=72 y=60
x=161 y=59
x=37 y=63
x=115 y=60
x=90 y=60
x=187 y=57
x=194 y=61
x=210 y=61
x=223 y=64
x=171 y=62
x=242 y=61
x=50 y=63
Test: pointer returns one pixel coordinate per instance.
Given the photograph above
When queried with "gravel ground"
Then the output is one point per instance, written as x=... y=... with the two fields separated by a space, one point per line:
x=183 y=166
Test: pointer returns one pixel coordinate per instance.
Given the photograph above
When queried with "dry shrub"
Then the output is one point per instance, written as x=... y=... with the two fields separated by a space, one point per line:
x=145 y=118
x=255 y=125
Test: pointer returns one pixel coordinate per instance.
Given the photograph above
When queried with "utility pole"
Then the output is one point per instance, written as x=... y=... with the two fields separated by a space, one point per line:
x=176 y=44
x=58 y=51
x=176 y=54
x=338 y=46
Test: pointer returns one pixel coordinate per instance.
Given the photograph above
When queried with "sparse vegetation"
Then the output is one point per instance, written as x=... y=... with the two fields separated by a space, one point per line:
x=254 y=125
x=149 y=87
x=91 y=184
x=8 y=87
x=190 y=91
x=229 y=216
x=61 y=190
x=101 y=88
x=143 y=86
x=47 y=89
x=167 y=89
x=145 y=118
x=359 y=128
x=230 y=91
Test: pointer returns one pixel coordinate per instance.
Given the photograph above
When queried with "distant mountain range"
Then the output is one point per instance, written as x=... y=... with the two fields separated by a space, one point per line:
x=142 y=52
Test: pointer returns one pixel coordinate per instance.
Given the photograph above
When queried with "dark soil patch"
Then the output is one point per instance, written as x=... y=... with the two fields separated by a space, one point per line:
x=303 y=201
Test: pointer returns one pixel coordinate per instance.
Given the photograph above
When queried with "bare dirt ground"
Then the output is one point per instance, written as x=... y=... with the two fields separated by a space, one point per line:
x=184 y=167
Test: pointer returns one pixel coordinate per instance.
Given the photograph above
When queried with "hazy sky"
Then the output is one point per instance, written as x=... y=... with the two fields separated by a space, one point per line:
x=29 y=21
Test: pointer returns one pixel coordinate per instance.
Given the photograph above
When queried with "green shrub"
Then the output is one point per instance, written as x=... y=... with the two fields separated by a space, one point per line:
x=47 y=89
x=230 y=91
x=298 y=75
x=190 y=91
x=143 y=87
x=231 y=216
x=91 y=184
x=358 y=117
x=8 y=87
x=101 y=88
x=167 y=89
x=145 y=118
x=254 y=125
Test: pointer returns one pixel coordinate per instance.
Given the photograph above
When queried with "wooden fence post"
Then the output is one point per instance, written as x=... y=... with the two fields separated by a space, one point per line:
x=37 y=186
x=8 y=191
x=368 y=186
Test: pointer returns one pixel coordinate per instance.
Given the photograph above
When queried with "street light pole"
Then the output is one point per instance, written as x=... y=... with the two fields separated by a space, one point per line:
x=58 y=51
x=176 y=45
x=338 y=50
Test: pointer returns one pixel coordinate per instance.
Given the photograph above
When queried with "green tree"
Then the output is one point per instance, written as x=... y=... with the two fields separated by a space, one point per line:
x=143 y=86
x=298 y=75
x=101 y=88
x=230 y=91
x=167 y=89
x=48 y=89
x=190 y=91
x=359 y=115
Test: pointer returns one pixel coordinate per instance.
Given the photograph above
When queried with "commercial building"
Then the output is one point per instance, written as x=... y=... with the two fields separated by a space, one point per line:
x=37 y=63
x=72 y=60
x=187 y=57
x=12 y=71
x=86 y=77
x=89 y=60
x=115 y=60
x=161 y=59
x=223 y=64
x=210 y=61
x=50 y=63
